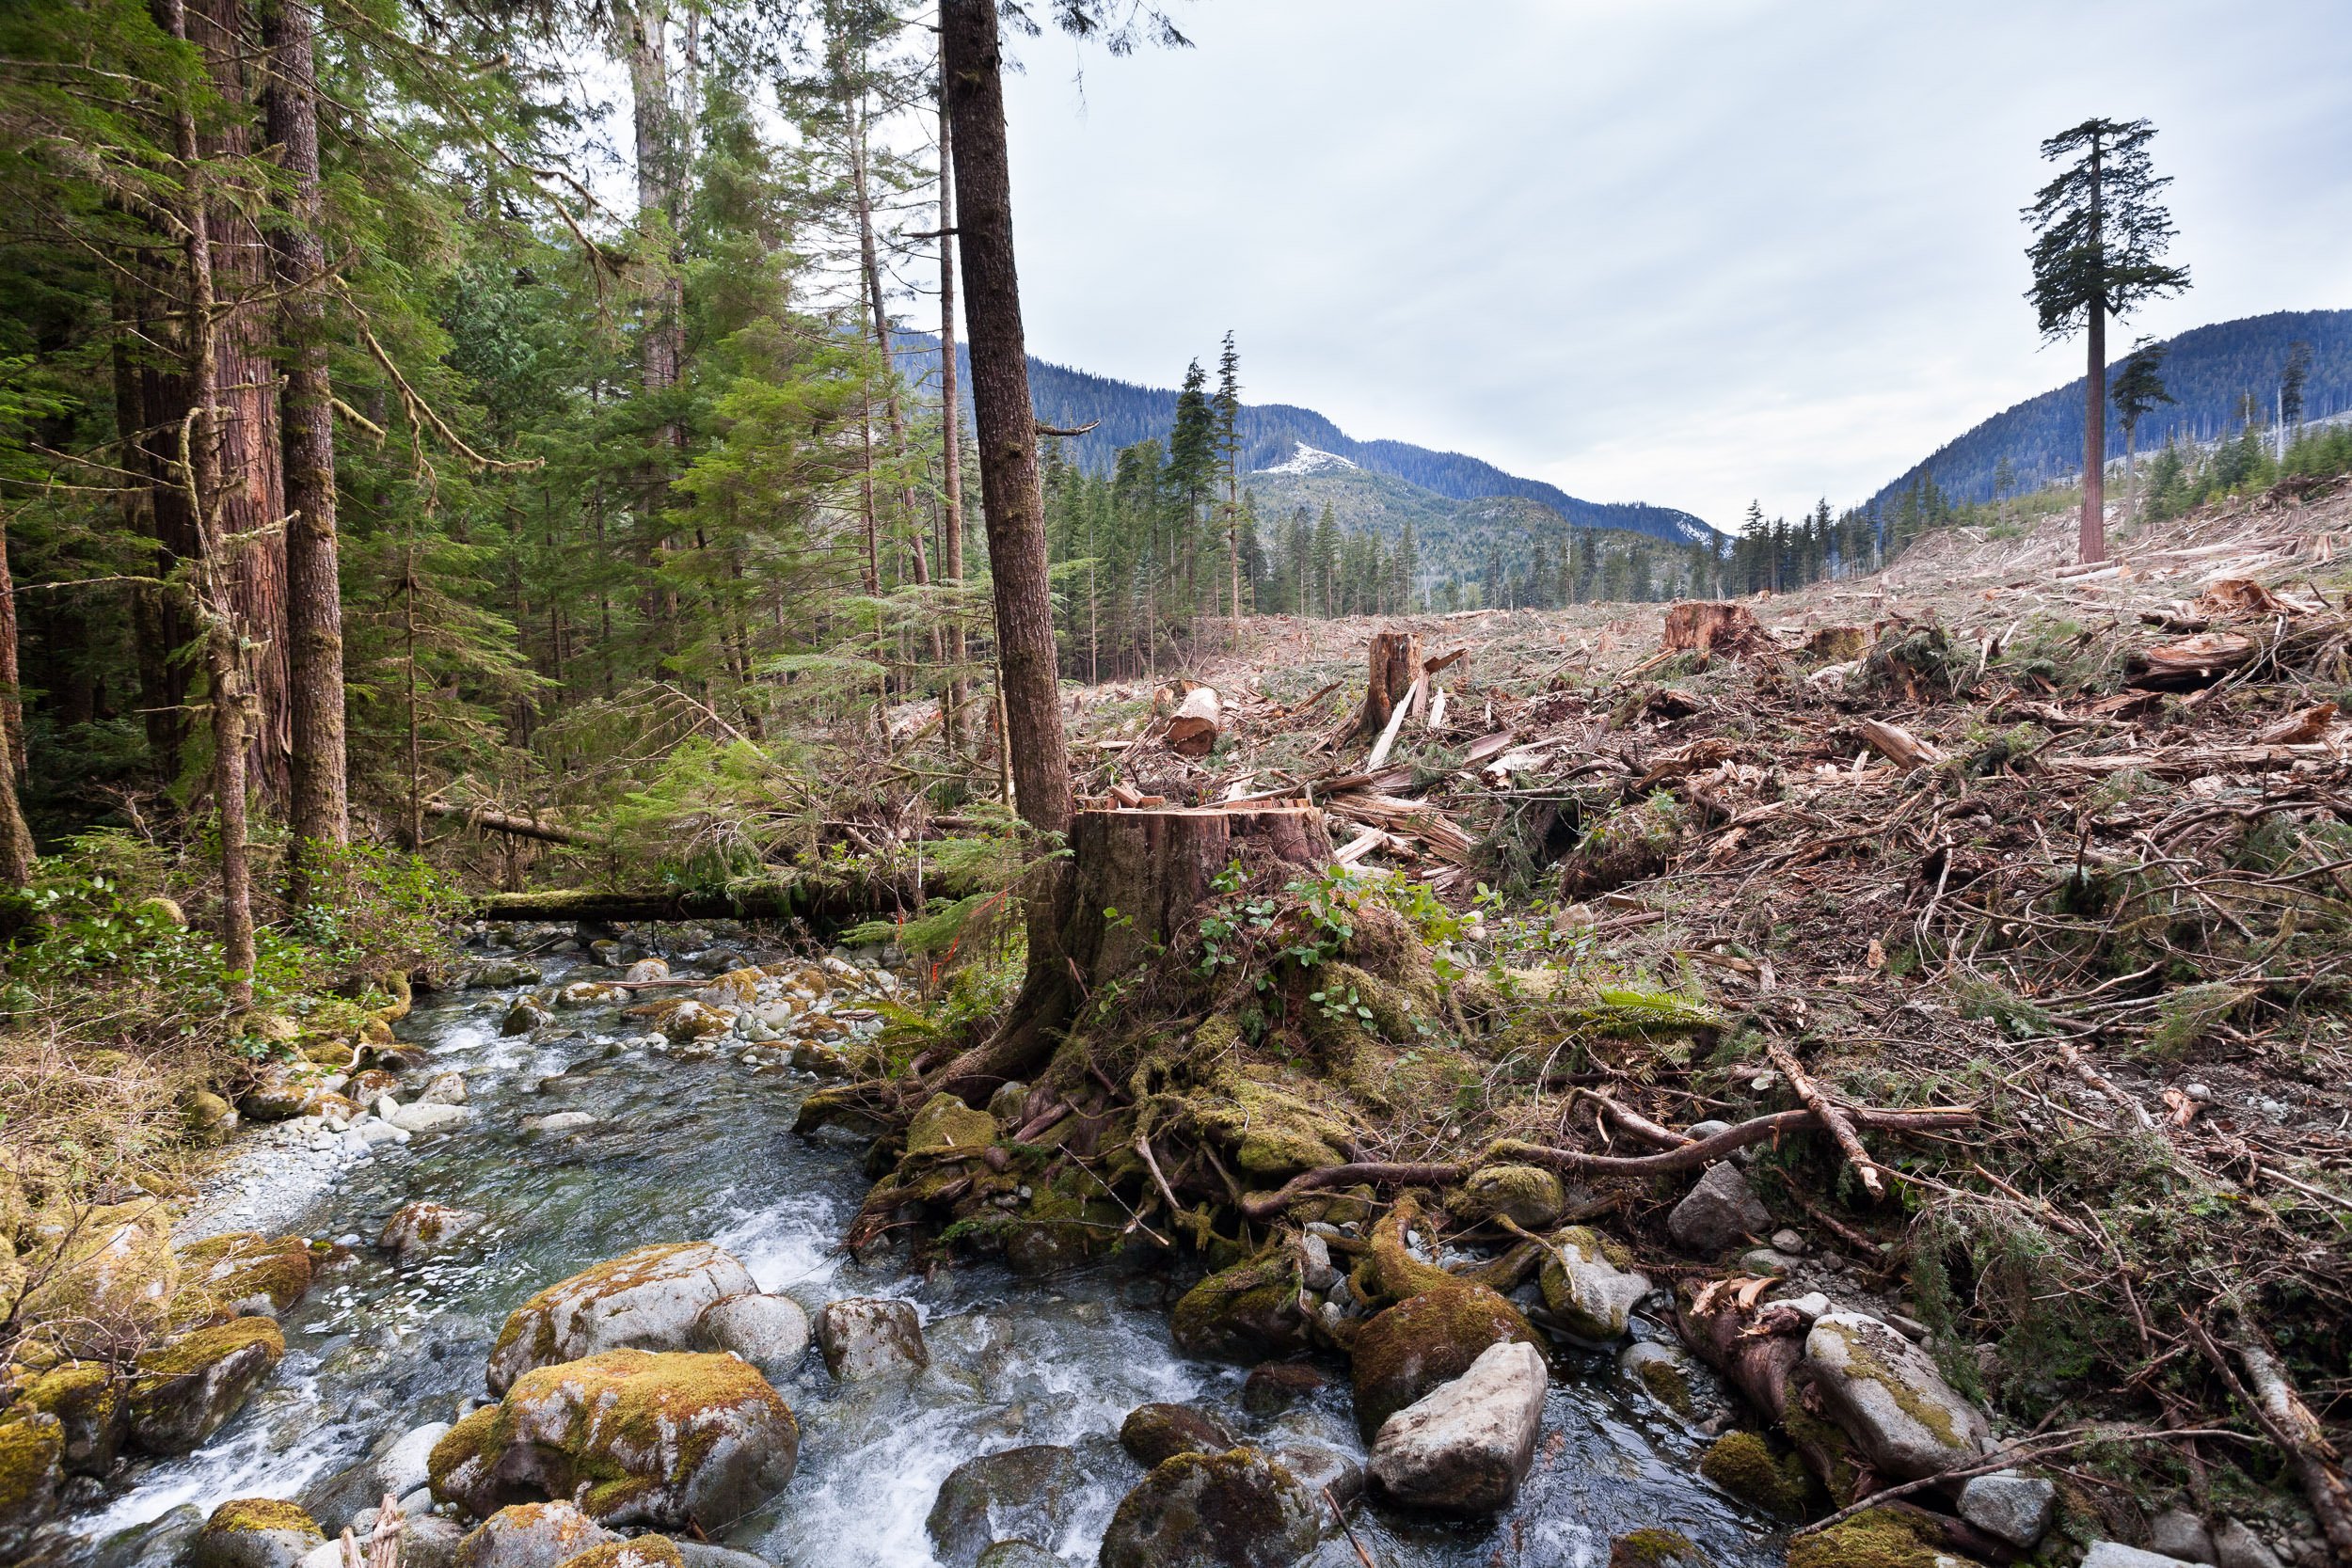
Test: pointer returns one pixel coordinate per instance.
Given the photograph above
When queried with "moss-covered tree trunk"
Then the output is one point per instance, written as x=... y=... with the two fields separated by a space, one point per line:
x=1137 y=880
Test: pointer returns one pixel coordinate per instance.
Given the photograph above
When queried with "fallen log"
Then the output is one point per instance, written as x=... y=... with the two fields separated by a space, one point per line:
x=2183 y=666
x=821 y=905
x=2279 y=1409
x=1831 y=1117
x=1688 y=1156
x=506 y=823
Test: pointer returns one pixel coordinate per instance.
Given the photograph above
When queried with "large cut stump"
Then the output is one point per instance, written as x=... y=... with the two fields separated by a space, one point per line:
x=1712 y=627
x=1154 y=868
x=1395 y=666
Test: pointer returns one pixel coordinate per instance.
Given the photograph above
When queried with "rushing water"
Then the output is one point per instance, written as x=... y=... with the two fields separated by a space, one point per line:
x=688 y=1149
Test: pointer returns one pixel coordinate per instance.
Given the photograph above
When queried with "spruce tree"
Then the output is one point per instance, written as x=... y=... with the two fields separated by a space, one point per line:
x=2138 y=387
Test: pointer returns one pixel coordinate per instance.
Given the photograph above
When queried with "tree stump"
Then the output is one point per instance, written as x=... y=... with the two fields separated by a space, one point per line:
x=1695 y=625
x=1136 y=883
x=1394 y=664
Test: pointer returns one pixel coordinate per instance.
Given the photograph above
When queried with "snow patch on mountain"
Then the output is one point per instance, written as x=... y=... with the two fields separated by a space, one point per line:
x=1310 y=460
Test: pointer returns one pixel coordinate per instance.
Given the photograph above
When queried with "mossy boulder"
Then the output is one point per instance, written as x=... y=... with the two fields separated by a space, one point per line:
x=1877 y=1538
x=1655 y=1549
x=1744 y=1465
x=1529 y=1197
x=1023 y=1494
x=1154 y=1434
x=946 y=1126
x=1249 y=1312
x=255 y=1532
x=105 y=1279
x=209 y=1118
x=186 y=1391
x=281 y=1092
x=1232 y=1509
x=32 y=1467
x=1587 y=1291
x=643 y=1551
x=242 y=1274
x=1891 y=1399
x=737 y=987
x=647 y=1299
x=670 y=1440
x=89 y=1404
x=421 y=1229
x=531 y=1535
x=1403 y=1353
x=1666 y=1373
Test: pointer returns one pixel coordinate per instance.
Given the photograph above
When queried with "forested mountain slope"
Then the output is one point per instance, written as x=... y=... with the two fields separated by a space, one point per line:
x=1123 y=413
x=2211 y=371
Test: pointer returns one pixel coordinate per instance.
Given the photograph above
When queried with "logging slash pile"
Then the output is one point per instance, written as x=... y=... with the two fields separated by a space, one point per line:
x=1971 y=963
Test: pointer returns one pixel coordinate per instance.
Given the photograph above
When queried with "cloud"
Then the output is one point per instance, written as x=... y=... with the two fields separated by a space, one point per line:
x=1683 y=253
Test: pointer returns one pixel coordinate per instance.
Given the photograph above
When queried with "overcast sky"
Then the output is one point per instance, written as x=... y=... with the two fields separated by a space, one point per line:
x=1678 y=252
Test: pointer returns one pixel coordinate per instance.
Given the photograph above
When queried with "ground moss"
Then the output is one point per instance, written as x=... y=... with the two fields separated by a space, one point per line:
x=1826 y=1446
x=1743 y=1465
x=1390 y=1272
x=947 y=1125
x=1878 y=1538
x=1668 y=1385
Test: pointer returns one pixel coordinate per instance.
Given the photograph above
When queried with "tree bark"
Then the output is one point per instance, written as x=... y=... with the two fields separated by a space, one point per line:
x=950 y=422
x=16 y=840
x=319 y=809
x=2094 y=528
x=1009 y=494
x=1393 y=664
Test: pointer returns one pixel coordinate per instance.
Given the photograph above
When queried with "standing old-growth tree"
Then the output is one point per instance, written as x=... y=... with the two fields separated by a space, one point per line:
x=2138 y=387
x=2099 y=237
x=2291 y=380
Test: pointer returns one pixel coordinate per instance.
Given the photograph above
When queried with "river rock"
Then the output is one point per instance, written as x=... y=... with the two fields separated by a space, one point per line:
x=242 y=1274
x=531 y=1535
x=183 y=1392
x=429 y=1540
x=365 y=1087
x=1274 y=1386
x=424 y=1117
x=209 y=1118
x=422 y=1227
x=1528 y=1195
x=770 y=1332
x=1717 y=1212
x=2008 y=1505
x=2177 y=1533
x=447 y=1088
x=669 y=1440
x=1249 y=1312
x=560 y=1121
x=590 y=993
x=523 y=1017
x=1664 y=1371
x=647 y=969
x=108 y=1280
x=1590 y=1295
x=255 y=1532
x=737 y=987
x=1019 y=1554
x=2236 y=1546
x=501 y=975
x=1230 y=1510
x=701 y=1554
x=1320 y=1469
x=1466 y=1446
x=1890 y=1399
x=641 y=1551
x=647 y=1299
x=2114 y=1554
x=403 y=1464
x=1155 y=1433
x=32 y=1468
x=870 y=1337
x=90 y=1406
x=281 y=1093
x=1403 y=1352
x=1018 y=1494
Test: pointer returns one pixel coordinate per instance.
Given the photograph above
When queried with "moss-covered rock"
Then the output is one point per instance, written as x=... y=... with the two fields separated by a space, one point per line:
x=643 y=1551
x=421 y=1229
x=1025 y=1493
x=947 y=1125
x=1744 y=1465
x=242 y=1274
x=1586 y=1287
x=1891 y=1399
x=634 y=1437
x=186 y=1391
x=1407 y=1351
x=89 y=1404
x=32 y=1467
x=647 y=1299
x=104 y=1280
x=531 y=1535
x=1529 y=1197
x=1232 y=1509
x=255 y=1532
x=209 y=1118
x=1249 y=1312
x=1154 y=1434
x=1655 y=1549
x=1878 y=1538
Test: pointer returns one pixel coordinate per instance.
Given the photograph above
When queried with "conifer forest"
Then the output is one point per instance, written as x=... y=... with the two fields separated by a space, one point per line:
x=667 y=903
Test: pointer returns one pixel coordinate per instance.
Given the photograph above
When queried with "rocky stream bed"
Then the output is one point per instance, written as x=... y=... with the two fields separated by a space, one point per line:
x=581 y=1137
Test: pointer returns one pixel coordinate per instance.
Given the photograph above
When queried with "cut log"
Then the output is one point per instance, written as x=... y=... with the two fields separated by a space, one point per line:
x=1711 y=626
x=2245 y=596
x=2186 y=665
x=1898 y=745
x=1393 y=665
x=2297 y=728
x=1192 y=729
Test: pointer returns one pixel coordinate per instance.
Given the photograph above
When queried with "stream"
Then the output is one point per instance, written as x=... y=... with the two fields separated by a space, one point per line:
x=689 y=1148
